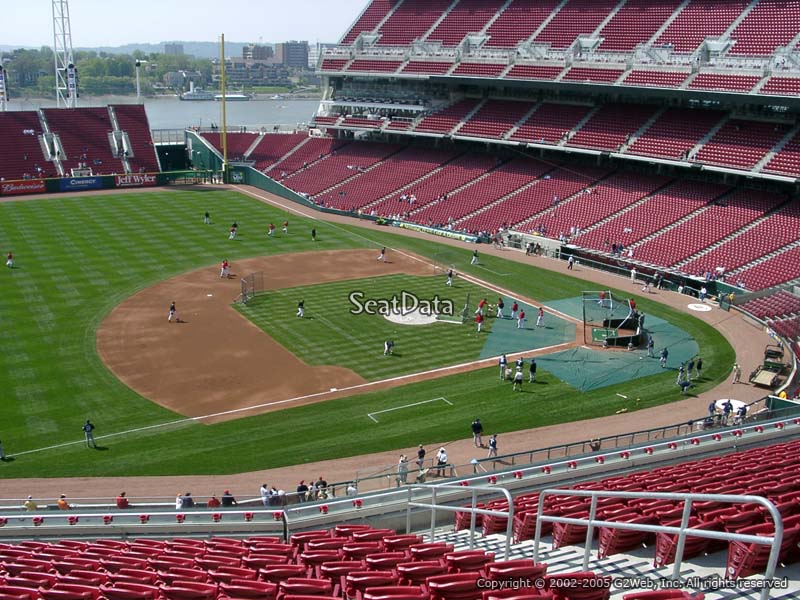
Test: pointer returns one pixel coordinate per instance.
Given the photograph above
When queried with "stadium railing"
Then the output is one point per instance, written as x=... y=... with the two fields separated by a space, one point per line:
x=683 y=530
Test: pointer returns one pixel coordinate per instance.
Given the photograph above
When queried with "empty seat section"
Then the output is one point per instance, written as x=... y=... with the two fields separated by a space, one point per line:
x=655 y=213
x=675 y=132
x=468 y=16
x=333 y=64
x=395 y=172
x=20 y=146
x=772 y=23
x=706 y=228
x=612 y=126
x=772 y=271
x=375 y=66
x=84 y=136
x=785 y=86
x=273 y=146
x=427 y=67
x=587 y=74
x=479 y=69
x=449 y=177
x=369 y=19
x=741 y=143
x=698 y=20
x=635 y=23
x=305 y=154
x=550 y=123
x=576 y=17
x=518 y=22
x=132 y=119
x=531 y=200
x=337 y=167
x=444 y=120
x=500 y=182
x=779 y=304
x=724 y=82
x=495 y=118
x=533 y=72
x=787 y=160
x=774 y=232
x=607 y=197
x=238 y=143
x=411 y=20
x=647 y=78
x=362 y=123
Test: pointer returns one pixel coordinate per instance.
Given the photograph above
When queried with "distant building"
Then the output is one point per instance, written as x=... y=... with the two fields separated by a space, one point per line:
x=257 y=52
x=314 y=52
x=292 y=54
x=173 y=49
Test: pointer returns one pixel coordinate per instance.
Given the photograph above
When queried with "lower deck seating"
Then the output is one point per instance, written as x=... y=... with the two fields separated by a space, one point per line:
x=20 y=149
x=362 y=563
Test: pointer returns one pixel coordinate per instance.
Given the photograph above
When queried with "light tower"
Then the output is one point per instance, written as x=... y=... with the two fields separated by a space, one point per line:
x=66 y=73
x=3 y=89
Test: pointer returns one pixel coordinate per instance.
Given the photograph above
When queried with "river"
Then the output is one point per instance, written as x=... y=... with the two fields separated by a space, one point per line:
x=172 y=113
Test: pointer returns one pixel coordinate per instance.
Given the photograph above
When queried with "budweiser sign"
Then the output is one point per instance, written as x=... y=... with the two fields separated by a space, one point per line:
x=13 y=188
x=136 y=180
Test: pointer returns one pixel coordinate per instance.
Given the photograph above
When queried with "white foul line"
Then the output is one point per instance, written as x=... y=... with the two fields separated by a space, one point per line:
x=378 y=412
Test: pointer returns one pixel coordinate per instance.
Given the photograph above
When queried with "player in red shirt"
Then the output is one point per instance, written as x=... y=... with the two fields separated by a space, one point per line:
x=514 y=309
x=479 y=321
x=540 y=318
x=521 y=320
x=225 y=269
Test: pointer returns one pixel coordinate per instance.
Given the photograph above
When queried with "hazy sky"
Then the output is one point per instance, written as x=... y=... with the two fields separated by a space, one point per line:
x=118 y=22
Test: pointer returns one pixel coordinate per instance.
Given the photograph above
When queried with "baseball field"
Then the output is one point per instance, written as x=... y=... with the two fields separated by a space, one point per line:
x=238 y=388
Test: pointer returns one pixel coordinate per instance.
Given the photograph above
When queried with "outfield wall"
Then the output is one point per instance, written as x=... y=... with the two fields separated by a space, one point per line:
x=25 y=187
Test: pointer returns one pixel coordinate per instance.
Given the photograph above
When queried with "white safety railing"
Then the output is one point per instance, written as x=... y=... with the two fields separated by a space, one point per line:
x=683 y=530
x=473 y=509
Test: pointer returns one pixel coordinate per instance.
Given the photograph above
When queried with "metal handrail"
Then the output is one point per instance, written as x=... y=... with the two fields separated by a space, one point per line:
x=472 y=509
x=591 y=522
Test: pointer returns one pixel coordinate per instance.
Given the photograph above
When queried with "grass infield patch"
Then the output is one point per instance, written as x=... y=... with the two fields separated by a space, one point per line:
x=331 y=335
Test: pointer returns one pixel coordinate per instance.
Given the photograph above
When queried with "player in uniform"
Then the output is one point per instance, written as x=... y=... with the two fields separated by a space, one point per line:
x=285 y=228
x=225 y=269
x=10 y=260
x=271 y=231
x=474 y=260
x=382 y=255
x=521 y=320
x=514 y=309
x=481 y=306
x=234 y=229
x=173 y=314
x=450 y=278
x=520 y=363
x=518 y=380
x=301 y=308
x=503 y=366
x=532 y=371
x=500 y=306
x=479 y=321
x=207 y=218
x=540 y=318
x=388 y=347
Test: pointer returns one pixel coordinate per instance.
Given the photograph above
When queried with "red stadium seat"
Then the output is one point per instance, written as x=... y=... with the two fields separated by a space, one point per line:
x=396 y=592
x=455 y=586
x=129 y=591
x=189 y=590
x=242 y=588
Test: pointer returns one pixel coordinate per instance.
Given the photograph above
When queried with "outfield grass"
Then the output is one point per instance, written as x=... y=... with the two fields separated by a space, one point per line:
x=331 y=335
x=79 y=257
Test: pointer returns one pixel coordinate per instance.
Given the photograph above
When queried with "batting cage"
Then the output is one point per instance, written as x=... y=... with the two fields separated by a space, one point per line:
x=252 y=284
x=609 y=320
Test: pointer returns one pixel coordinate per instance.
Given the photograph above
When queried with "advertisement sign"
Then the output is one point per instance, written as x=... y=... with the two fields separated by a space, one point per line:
x=135 y=180
x=16 y=188
x=80 y=183
x=464 y=237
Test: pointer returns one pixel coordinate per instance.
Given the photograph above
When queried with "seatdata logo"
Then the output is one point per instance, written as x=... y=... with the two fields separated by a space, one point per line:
x=406 y=303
